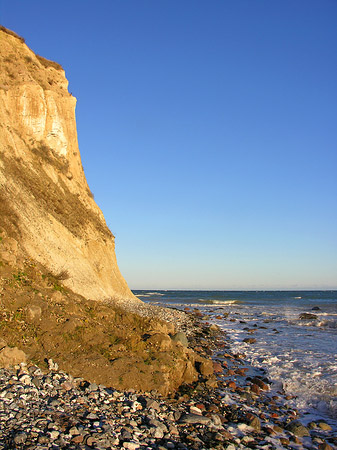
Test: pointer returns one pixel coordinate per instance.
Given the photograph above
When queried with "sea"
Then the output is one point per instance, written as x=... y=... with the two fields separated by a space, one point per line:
x=298 y=352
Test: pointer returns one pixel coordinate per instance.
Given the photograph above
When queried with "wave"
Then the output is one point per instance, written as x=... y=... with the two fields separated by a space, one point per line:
x=219 y=302
x=154 y=293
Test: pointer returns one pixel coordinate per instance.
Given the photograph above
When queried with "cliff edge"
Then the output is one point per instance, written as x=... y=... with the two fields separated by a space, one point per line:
x=45 y=202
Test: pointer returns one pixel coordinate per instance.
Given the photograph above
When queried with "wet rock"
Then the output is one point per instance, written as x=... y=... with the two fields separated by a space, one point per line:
x=249 y=340
x=324 y=446
x=217 y=367
x=307 y=316
x=261 y=384
x=316 y=308
x=253 y=421
x=324 y=426
x=297 y=428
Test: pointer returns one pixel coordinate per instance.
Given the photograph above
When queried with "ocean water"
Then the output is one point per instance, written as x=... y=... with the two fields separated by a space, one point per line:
x=300 y=355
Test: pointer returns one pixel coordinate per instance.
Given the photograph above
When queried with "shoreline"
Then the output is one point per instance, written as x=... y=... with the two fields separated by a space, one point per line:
x=54 y=410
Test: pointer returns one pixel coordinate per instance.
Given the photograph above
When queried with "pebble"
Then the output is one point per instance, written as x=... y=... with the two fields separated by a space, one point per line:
x=53 y=411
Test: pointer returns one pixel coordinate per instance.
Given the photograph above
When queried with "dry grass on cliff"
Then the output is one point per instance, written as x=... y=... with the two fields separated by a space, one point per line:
x=12 y=33
x=9 y=220
x=53 y=198
x=47 y=63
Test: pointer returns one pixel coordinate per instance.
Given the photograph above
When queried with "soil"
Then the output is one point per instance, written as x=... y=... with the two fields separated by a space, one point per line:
x=98 y=341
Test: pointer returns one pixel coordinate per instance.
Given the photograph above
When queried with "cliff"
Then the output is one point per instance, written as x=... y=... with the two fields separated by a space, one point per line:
x=45 y=203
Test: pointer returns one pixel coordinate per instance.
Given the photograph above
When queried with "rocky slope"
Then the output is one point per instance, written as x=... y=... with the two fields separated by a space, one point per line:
x=45 y=201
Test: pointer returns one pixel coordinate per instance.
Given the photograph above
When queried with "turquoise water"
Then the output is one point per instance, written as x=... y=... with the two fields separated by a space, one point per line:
x=299 y=354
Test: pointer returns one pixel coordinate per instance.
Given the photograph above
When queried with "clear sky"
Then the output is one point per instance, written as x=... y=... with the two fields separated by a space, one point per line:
x=208 y=133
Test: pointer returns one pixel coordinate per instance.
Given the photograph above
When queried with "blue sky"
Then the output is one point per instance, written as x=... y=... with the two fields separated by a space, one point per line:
x=207 y=131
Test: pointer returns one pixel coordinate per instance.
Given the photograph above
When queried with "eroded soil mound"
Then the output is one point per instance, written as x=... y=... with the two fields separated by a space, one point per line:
x=98 y=341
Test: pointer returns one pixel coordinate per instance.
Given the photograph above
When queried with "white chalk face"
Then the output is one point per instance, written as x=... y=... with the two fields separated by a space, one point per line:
x=38 y=113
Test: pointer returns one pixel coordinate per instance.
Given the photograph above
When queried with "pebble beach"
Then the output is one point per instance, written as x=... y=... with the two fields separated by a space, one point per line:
x=53 y=410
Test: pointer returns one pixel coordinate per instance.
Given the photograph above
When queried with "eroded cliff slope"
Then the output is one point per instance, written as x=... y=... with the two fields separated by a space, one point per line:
x=45 y=201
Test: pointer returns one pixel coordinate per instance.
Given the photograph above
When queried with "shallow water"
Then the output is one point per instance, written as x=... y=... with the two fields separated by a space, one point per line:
x=298 y=354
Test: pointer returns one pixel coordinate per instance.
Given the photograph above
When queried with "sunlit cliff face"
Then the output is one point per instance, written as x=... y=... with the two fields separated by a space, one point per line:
x=57 y=221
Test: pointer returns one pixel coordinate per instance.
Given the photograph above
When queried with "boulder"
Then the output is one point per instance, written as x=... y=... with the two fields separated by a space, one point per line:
x=10 y=356
x=297 y=428
x=181 y=338
x=160 y=341
x=308 y=316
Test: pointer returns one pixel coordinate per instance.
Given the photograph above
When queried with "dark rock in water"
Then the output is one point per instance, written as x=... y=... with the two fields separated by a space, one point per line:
x=316 y=308
x=297 y=428
x=307 y=316
x=249 y=340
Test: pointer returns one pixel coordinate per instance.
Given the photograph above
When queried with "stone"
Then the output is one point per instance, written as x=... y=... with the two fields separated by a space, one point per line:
x=261 y=384
x=217 y=367
x=195 y=418
x=297 y=428
x=324 y=446
x=10 y=356
x=131 y=445
x=181 y=338
x=205 y=367
x=324 y=426
x=160 y=341
x=308 y=316
x=33 y=313
x=20 y=438
x=8 y=258
x=214 y=329
x=249 y=340
x=253 y=421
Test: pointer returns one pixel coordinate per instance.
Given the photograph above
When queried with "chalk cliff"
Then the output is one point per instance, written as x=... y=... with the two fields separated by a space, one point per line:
x=45 y=201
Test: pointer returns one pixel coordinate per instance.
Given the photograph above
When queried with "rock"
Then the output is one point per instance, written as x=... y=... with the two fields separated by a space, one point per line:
x=249 y=340
x=261 y=384
x=180 y=337
x=324 y=426
x=9 y=356
x=297 y=428
x=33 y=313
x=205 y=367
x=316 y=308
x=160 y=341
x=214 y=329
x=152 y=404
x=195 y=410
x=52 y=366
x=8 y=258
x=195 y=418
x=217 y=367
x=253 y=421
x=20 y=438
x=307 y=316
x=131 y=445
x=324 y=446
